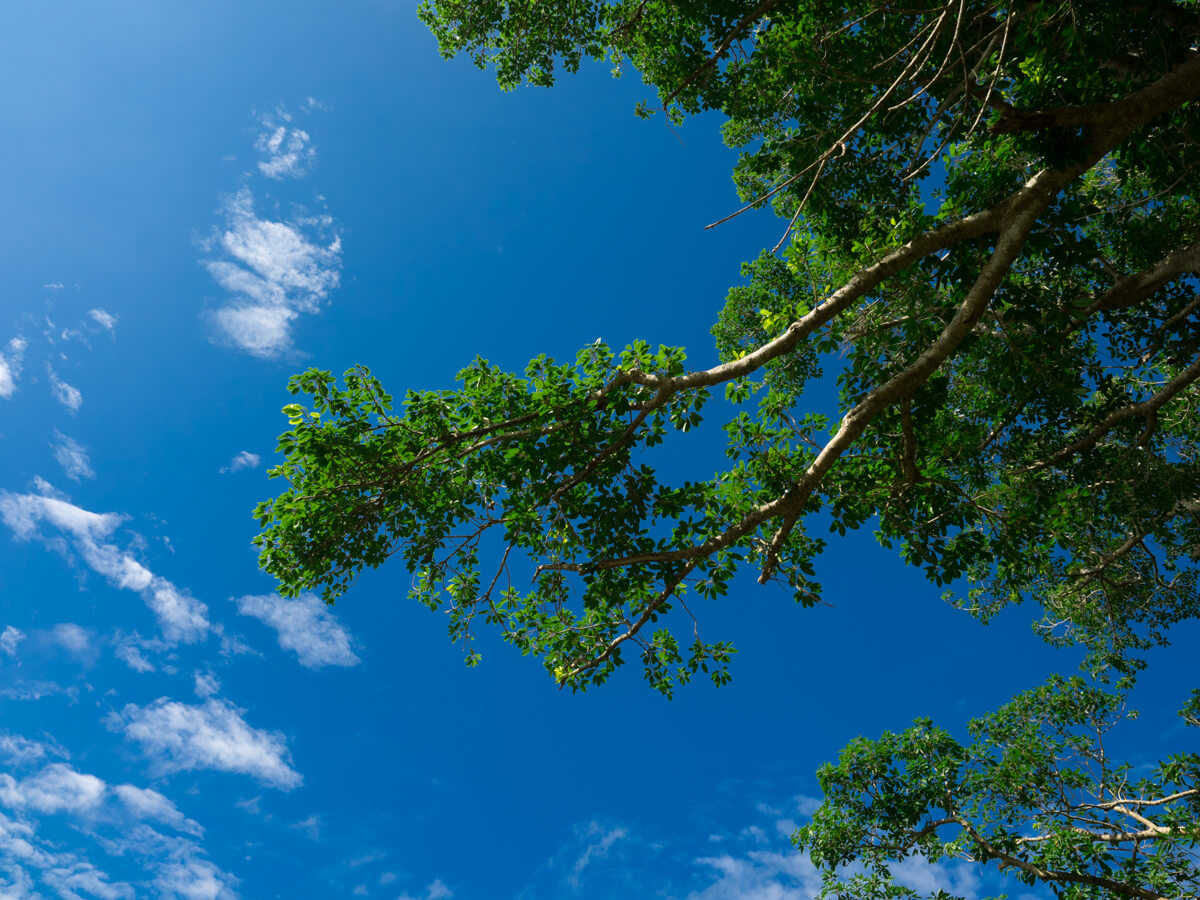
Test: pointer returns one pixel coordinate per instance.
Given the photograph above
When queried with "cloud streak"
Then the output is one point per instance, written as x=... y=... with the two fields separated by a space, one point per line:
x=73 y=457
x=68 y=396
x=181 y=617
x=306 y=626
x=174 y=863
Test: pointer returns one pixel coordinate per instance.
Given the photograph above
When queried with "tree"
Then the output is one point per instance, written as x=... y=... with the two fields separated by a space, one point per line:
x=1035 y=792
x=992 y=236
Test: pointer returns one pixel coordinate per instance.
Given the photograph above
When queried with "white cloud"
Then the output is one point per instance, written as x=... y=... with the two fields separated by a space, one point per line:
x=789 y=875
x=75 y=640
x=105 y=320
x=285 y=152
x=206 y=684
x=174 y=865
x=9 y=639
x=233 y=645
x=145 y=803
x=53 y=286
x=263 y=331
x=760 y=875
x=600 y=842
x=83 y=876
x=128 y=648
x=755 y=833
x=20 y=751
x=36 y=690
x=243 y=460
x=10 y=366
x=310 y=826
x=956 y=878
x=306 y=626
x=63 y=392
x=194 y=879
x=73 y=457
x=16 y=885
x=57 y=788
x=435 y=890
x=133 y=657
x=273 y=271
x=179 y=737
x=181 y=616
x=8 y=380
x=806 y=805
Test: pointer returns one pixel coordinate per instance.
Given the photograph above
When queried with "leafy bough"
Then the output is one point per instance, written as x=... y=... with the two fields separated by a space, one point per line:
x=1015 y=409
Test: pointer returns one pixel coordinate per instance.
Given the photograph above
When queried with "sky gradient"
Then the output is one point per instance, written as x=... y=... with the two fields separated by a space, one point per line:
x=202 y=200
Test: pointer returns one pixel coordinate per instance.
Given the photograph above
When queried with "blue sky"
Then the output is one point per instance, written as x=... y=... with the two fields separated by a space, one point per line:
x=201 y=200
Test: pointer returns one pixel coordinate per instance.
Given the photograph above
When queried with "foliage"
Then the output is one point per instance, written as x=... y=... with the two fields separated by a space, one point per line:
x=992 y=239
x=1034 y=792
x=1015 y=339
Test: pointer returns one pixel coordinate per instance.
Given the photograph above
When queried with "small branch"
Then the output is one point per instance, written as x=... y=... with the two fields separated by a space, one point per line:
x=703 y=71
x=1057 y=876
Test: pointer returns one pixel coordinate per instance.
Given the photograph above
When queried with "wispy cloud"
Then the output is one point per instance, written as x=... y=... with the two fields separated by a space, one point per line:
x=64 y=393
x=174 y=863
x=806 y=805
x=600 y=841
x=129 y=649
x=759 y=874
x=435 y=890
x=21 y=751
x=306 y=626
x=194 y=879
x=73 y=457
x=274 y=271
x=180 y=737
x=104 y=319
x=243 y=460
x=10 y=366
x=206 y=684
x=76 y=640
x=9 y=639
x=152 y=806
x=57 y=788
x=36 y=690
x=181 y=616
x=284 y=150
x=310 y=826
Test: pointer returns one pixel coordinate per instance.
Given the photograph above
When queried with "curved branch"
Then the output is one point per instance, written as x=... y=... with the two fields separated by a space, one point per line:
x=1146 y=408
x=1056 y=876
x=1133 y=289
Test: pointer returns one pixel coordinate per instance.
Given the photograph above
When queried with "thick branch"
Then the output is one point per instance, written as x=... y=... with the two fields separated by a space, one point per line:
x=1057 y=876
x=1133 y=289
x=1144 y=409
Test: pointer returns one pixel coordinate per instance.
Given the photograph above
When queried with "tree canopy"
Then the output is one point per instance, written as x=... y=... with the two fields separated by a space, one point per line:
x=989 y=237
